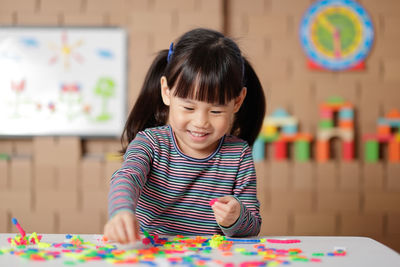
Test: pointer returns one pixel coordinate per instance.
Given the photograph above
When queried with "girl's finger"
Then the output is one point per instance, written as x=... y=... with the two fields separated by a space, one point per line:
x=129 y=227
x=219 y=212
x=224 y=199
x=111 y=234
x=220 y=207
x=137 y=229
x=121 y=232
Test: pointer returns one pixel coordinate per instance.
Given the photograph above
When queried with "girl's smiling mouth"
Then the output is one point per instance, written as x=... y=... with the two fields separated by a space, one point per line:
x=197 y=134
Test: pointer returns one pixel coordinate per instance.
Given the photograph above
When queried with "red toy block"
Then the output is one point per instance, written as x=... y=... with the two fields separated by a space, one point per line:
x=348 y=150
x=280 y=150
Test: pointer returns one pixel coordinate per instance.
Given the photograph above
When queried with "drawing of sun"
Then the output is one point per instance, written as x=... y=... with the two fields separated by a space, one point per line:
x=66 y=52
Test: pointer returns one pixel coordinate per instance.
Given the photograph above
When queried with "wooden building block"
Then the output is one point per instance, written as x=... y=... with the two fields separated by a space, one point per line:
x=322 y=151
x=314 y=224
x=74 y=19
x=110 y=168
x=290 y=201
x=4 y=218
x=6 y=18
x=175 y=5
x=67 y=178
x=390 y=74
x=94 y=201
x=191 y=20
x=257 y=25
x=6 y=147
x=80 y=222
x=211 y=6
x=280 y=175
x=288 y=7
x=303 y=176
x=382 y=201
x=394 y=151
x=393 y=223
x=265 y=199
x=21 y=174
x=373 y=177
x=327 y=176
x=338 y=201
x=45 y=178
x=69 y=151
x=391 y=29
x=369 y=109
x=56 y=6
x=17 y=5
x=23 y=147
x=354 y=223
x=44 y=152
x=393 y=177
x=280 y=150
x=263 y=190
x=387 y=7
x=139 y=5
x=16 y=201
x=113 y=145
x=37 y=19
x=93 y=146
x=347 y=147
x=4 y=174
x=40 y=222
x=257 y=7
x=349 y=176
x=145 y=22
x=265 y=203
x=56 y=201
x=275 y=224
x=91 y=173
x=101 y=6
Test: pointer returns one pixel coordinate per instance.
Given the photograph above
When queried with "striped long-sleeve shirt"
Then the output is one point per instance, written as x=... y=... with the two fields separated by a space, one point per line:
x=170 y=192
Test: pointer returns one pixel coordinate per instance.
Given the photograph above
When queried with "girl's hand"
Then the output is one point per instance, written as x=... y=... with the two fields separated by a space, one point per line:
x=226 y=210
x=123 y=228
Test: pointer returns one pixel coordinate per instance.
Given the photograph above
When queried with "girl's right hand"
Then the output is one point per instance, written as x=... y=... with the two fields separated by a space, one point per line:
x=123 y=228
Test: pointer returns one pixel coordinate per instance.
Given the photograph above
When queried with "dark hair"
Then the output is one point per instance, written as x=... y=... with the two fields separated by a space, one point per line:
x=205 y=66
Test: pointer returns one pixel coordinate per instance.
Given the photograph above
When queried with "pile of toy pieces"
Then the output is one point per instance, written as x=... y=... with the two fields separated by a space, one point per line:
x=179 y=250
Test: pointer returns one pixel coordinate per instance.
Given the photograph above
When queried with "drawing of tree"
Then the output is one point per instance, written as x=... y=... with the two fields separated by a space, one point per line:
x=105 y=88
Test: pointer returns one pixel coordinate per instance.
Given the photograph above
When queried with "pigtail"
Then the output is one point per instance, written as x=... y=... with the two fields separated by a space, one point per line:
x=149 y=110
x=250 y=116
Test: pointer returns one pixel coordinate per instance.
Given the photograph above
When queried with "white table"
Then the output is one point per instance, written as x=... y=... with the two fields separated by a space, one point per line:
x=360 y=251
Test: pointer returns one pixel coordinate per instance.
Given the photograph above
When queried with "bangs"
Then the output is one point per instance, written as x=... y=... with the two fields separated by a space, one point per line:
x=212 y=78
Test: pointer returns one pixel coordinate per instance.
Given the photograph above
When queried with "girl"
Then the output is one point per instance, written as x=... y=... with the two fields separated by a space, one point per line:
x=188 y=167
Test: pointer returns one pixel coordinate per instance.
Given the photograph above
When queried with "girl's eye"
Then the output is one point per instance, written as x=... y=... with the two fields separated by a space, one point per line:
x=216 y=111
x=188 y=108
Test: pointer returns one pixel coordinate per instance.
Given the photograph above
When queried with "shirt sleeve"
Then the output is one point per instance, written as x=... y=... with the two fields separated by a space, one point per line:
x=127 y=182
x=245 y=191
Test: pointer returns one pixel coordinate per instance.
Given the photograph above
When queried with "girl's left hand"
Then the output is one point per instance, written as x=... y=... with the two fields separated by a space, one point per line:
x=226 y=210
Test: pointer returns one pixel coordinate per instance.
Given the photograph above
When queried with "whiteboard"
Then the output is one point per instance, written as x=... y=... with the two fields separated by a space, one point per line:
x=62 y=81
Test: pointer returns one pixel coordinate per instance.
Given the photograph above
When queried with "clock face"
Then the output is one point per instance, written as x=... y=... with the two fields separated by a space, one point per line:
x=336 y=34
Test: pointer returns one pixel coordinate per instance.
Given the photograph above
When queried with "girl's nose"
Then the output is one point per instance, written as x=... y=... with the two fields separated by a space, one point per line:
x=201 y=119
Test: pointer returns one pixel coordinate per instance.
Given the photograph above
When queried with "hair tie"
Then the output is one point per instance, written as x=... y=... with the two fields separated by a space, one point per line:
x=170 y=52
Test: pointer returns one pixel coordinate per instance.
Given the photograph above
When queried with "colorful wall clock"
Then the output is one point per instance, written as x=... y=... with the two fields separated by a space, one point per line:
x=336 y=35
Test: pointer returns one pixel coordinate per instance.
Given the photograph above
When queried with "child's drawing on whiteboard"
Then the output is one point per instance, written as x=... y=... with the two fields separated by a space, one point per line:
x=66 y=51
x=105 y=88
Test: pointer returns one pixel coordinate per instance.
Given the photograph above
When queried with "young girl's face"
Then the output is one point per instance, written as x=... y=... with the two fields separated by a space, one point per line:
x=198 y=125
